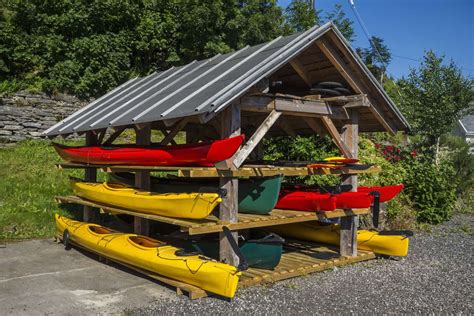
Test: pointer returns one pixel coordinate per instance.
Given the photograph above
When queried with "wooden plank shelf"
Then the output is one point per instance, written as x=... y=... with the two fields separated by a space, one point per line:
x=212 y=224
x=301 y=258
x=207 y=172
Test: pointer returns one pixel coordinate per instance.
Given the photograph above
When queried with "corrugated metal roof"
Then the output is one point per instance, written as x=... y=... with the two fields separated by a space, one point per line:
x=205 y=86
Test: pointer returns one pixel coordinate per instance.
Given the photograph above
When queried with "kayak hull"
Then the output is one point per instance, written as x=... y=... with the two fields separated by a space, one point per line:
x=307 y=201
x=180 y=205
x=387 y=192
x=389 y=245
x=152 y=255
x=200 y=154
x=262 y=251
x=256 y=195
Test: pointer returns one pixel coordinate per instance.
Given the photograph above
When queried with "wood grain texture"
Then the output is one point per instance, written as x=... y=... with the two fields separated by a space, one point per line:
x=141 y=225
x=90 y=174
x=348 y=236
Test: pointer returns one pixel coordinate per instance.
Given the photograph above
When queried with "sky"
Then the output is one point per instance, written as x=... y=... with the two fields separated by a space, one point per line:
x=410 y=27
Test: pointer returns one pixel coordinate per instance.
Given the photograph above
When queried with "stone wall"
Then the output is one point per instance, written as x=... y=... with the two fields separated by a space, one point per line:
x=27 y=115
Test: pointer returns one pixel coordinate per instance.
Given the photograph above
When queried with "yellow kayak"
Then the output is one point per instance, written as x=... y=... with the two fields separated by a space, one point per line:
x=182 y=205
x=389 y=245
x=151 y=255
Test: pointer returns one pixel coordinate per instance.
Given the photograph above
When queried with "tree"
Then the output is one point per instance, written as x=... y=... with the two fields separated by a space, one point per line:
x=376 y=57
x=87 y=47
x=300 y=16
x=343 y=23
x=435 y=96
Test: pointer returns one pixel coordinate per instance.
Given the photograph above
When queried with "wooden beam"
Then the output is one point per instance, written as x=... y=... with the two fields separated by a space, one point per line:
x=286 y=128
x=114 y=136
x=340 y=65
x=315 y=107
x=228 y=209
x=172 y=134
x=381 y=119
x=142 y=180
x=249 y=146
x=90 y=174
x=348 y=232
x=324 y=45
x=101 y=135
x=313 y=124
x=336 y=137
x=301 y=71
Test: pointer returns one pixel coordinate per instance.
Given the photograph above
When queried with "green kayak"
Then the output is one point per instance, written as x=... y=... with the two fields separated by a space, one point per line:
x=256 y=195
x=260 y=248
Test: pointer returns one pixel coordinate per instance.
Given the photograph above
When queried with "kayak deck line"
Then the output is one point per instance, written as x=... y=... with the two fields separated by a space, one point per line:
x=193 y=292
x=212 y=224
x=299 y=258
x=207 y=172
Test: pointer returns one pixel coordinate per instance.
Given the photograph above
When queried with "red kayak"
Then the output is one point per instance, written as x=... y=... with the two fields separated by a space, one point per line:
x=387 y=192
x=306 y=201
x=200 y=154
x=353 y=200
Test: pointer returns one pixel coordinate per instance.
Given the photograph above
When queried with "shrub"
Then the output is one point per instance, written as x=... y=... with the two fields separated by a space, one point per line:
x=432 y=189
x=303 y=149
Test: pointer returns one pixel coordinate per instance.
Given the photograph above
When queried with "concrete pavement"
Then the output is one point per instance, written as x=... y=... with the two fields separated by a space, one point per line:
x=39 y=277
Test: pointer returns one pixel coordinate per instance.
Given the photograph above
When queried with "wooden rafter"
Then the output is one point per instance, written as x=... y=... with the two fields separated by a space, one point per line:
x=114 y=135
x=291 y=105
x=301 y=71
x=249 y=146
x=336 y=137
x=349 y=75
x=287 y=128
x=172 y=134
x=313 y=124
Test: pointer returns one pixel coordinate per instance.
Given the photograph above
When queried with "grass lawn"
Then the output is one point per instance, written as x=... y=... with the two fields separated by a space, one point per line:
x=28 y=183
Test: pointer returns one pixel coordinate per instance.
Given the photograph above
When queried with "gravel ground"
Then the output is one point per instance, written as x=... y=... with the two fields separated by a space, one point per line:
x=436 y=277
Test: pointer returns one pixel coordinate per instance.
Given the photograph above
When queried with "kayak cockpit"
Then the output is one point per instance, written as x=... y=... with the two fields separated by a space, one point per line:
x=145 y=242
x=100 y=230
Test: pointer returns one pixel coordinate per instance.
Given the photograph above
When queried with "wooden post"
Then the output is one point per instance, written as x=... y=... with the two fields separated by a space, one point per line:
x=89 y=214
x=142 y=179
x=230 y=126
x=348 y=235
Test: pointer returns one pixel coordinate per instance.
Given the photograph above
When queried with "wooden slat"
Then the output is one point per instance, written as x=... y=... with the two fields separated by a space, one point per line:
x=336 y=137
x=255 y=139
x=213 y=225
x=90 y=174
x=244 y=171
x=172 y=134
x=301 y=71
x=297 y=262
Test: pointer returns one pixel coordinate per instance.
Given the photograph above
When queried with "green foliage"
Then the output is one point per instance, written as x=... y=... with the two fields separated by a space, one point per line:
x=376 y=57
x=392 y=173
x=87 y=47
x=300 y=16
x=302 y=149
x=457 y=152
x=435 y=96
x=343 y=23
x=432 y=189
